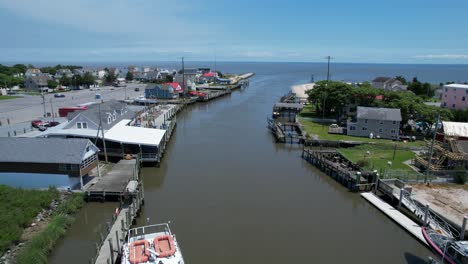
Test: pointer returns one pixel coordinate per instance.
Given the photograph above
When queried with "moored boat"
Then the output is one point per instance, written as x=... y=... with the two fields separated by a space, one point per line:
x=452 y=251
x=151 y=244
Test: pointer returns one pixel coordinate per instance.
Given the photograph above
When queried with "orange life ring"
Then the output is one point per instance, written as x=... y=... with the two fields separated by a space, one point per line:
x=163 y=248
x=139 y=252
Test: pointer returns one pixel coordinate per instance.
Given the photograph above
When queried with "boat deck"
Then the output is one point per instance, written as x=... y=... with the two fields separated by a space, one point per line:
x=396 y=215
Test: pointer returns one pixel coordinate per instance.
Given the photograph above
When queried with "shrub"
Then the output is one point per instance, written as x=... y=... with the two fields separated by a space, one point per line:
x=460 y=176
x=363 y=163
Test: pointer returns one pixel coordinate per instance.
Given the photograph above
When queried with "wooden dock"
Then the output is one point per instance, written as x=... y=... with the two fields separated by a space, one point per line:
x=396 y=216
x=109 y=247
x=114 y=184
x=345 y=173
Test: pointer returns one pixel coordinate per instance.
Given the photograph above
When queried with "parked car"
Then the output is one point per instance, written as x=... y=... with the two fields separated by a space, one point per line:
x=58 y=95
x=137 y=89
x=36 y=123
x=53 y=123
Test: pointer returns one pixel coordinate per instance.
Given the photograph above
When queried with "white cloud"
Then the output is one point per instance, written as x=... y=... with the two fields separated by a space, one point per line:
x=256 y=54
x=443 y=56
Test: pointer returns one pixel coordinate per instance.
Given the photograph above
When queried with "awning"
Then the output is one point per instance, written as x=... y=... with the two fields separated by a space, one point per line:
x=134 y=135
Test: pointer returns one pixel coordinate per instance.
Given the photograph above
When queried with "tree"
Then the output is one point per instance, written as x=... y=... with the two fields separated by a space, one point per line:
x=52 y=84
x=129 y=76
x=110 y=78
x=88 y=79
x=65 y=81
x=330 y=98
x=401 y=79
x=76 y=80
x=428 y=88
x=169 y=78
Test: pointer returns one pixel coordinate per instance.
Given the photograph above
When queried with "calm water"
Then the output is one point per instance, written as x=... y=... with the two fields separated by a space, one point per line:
x=234 y=196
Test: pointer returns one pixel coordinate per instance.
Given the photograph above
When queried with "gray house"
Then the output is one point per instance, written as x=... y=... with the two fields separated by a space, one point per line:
x=387 y=83
x=72 y=157
x=37 y=83
x=380 y=122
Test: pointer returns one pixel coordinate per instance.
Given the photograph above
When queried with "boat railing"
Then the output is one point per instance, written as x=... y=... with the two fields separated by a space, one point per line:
x=149 y=229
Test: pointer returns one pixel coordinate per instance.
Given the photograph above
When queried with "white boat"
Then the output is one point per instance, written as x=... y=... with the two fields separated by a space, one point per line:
x=151 y=244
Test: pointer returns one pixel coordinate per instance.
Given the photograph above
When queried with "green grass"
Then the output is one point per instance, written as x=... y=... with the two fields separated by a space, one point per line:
x=380 y=154
x=321 y=130
x=39 y=247
x=7 y=97
x=17 y=210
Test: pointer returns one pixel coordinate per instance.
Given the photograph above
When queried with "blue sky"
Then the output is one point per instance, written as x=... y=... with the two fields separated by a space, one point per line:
x=376 y=31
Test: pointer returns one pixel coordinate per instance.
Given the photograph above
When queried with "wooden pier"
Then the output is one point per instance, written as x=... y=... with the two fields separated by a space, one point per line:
x=396 y=216
x=108 y=249
x=122 y=178
x=332 y=163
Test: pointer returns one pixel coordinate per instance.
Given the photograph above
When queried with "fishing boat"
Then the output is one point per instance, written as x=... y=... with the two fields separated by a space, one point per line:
x=151 y=244
x=451 y=250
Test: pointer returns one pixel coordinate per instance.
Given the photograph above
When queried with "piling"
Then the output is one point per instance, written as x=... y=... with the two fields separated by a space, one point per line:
x=463 y=227
x=426 y=214
x=401 y=198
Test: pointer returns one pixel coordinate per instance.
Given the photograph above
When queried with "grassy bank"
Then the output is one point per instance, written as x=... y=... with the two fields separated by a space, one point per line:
x=379 y=156
x=18 y=209
x=6 y=97
x=38 y=248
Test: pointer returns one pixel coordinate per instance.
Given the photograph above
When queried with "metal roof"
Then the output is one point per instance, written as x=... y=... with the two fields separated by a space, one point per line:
x=457 y=129
x=43 y=150
x=375 y=113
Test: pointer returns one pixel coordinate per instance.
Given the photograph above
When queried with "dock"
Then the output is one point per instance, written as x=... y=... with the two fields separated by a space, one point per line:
x=396 y=216
x=116 y=183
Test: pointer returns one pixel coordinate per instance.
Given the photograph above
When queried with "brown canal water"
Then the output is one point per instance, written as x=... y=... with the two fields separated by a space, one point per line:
x=234 y=196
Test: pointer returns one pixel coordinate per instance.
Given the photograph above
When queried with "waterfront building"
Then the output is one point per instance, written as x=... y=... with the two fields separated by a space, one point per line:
x=72 y=157
x=163 y=91
x=454 y=96
x=32 y=72
x=387 y=83
x=375 y=122
x=186 y=77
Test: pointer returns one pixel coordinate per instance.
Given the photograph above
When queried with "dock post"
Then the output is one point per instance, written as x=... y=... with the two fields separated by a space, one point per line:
x=127 y=214
x=401 y=198
x=111 y=251
x=376 y=183
x=117 y=239
x=122 y=225
x=463 y=227
x=426 y=214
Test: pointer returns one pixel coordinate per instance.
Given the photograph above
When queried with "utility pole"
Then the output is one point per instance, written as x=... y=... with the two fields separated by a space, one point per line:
x=43 y=101
x=328 y=68
x=183 y=76
x=215 y=71
x=102 y=131
x=429 y=159
x=52 y=110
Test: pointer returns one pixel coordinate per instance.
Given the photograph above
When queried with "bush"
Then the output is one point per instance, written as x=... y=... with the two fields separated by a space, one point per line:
x=363 y=163
x=460 y=176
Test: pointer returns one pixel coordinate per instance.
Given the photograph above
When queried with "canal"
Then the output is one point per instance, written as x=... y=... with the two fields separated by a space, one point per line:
x=234 y=196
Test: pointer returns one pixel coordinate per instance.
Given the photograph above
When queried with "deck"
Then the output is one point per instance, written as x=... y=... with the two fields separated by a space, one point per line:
x=115 y=182
x=396 y=215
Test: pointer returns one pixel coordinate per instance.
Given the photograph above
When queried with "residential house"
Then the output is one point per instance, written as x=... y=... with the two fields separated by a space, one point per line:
x=37 y=83
x=186 y=77
x=163 y=91
x=147 y=69
x=387 y=83
x=80 y=72
x=119 y=125
x=454 y=96
x=63 y=72
x=32 y=72
x=73 y=157
x=114 y=70
x=133 y=69
x=375 y=122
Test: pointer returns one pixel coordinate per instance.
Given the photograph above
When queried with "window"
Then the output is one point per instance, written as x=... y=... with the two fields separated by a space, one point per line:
x=463 y=98
x=364 y=128
x=352 y=128
x=380 y=130
x=109 y=120
x=466 y=91
x=393 y=131
x=445 y=103
x=85 y=125
x=453 y=105
x=381 y=122
x=78 y=125
x=114 y=116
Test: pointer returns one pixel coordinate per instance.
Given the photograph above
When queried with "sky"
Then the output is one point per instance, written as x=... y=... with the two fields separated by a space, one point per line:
x=365 y=31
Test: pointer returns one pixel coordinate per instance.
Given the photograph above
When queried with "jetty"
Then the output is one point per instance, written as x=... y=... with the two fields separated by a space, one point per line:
x=408 y=224
x=121 y=180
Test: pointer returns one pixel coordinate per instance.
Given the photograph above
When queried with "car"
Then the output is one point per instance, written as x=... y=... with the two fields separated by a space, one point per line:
x=58 y=95
x=334 y=126
x=137 y=89
x=36 y=123
x=42 y=128
x=53 y=123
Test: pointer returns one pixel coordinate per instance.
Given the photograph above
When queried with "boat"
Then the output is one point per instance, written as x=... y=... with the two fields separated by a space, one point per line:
x=151 y=244
x=451 y=250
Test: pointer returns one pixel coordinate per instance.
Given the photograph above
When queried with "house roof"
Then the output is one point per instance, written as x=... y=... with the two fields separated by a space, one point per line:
x=43 y=150
x=107 y=108
x=457 y=85
x=457 y=129
x=209 y=74
x=176 y=86
x=289 y=105
x=375 y=113
x=40 y=79
x=123 y=133
x=381 y=79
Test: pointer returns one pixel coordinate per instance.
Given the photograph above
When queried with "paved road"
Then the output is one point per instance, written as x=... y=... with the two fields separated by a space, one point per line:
x=31 y=107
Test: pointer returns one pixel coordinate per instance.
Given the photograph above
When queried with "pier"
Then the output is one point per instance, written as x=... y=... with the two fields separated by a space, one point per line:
x=396 y=216
x=343 y=171
x=119 y=181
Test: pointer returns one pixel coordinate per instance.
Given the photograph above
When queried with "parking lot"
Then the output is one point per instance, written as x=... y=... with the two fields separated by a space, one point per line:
x=27 y=108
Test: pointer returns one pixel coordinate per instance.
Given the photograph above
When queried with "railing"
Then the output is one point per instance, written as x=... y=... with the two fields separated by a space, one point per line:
x=150 y=229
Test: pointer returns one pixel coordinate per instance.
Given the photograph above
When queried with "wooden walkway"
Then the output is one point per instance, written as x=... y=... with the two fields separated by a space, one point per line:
x=114 y=183
x=109 y=248
x=396 y=215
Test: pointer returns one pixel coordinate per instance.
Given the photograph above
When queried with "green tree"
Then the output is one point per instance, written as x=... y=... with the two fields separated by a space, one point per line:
x=110 y=78
x=88 y=79
x=52 y=84
x=330 y=98
x=129 y=76
x=169 y=78
x=76 y=80
x=429 y=90
x=65 y=81
x=401 y=79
